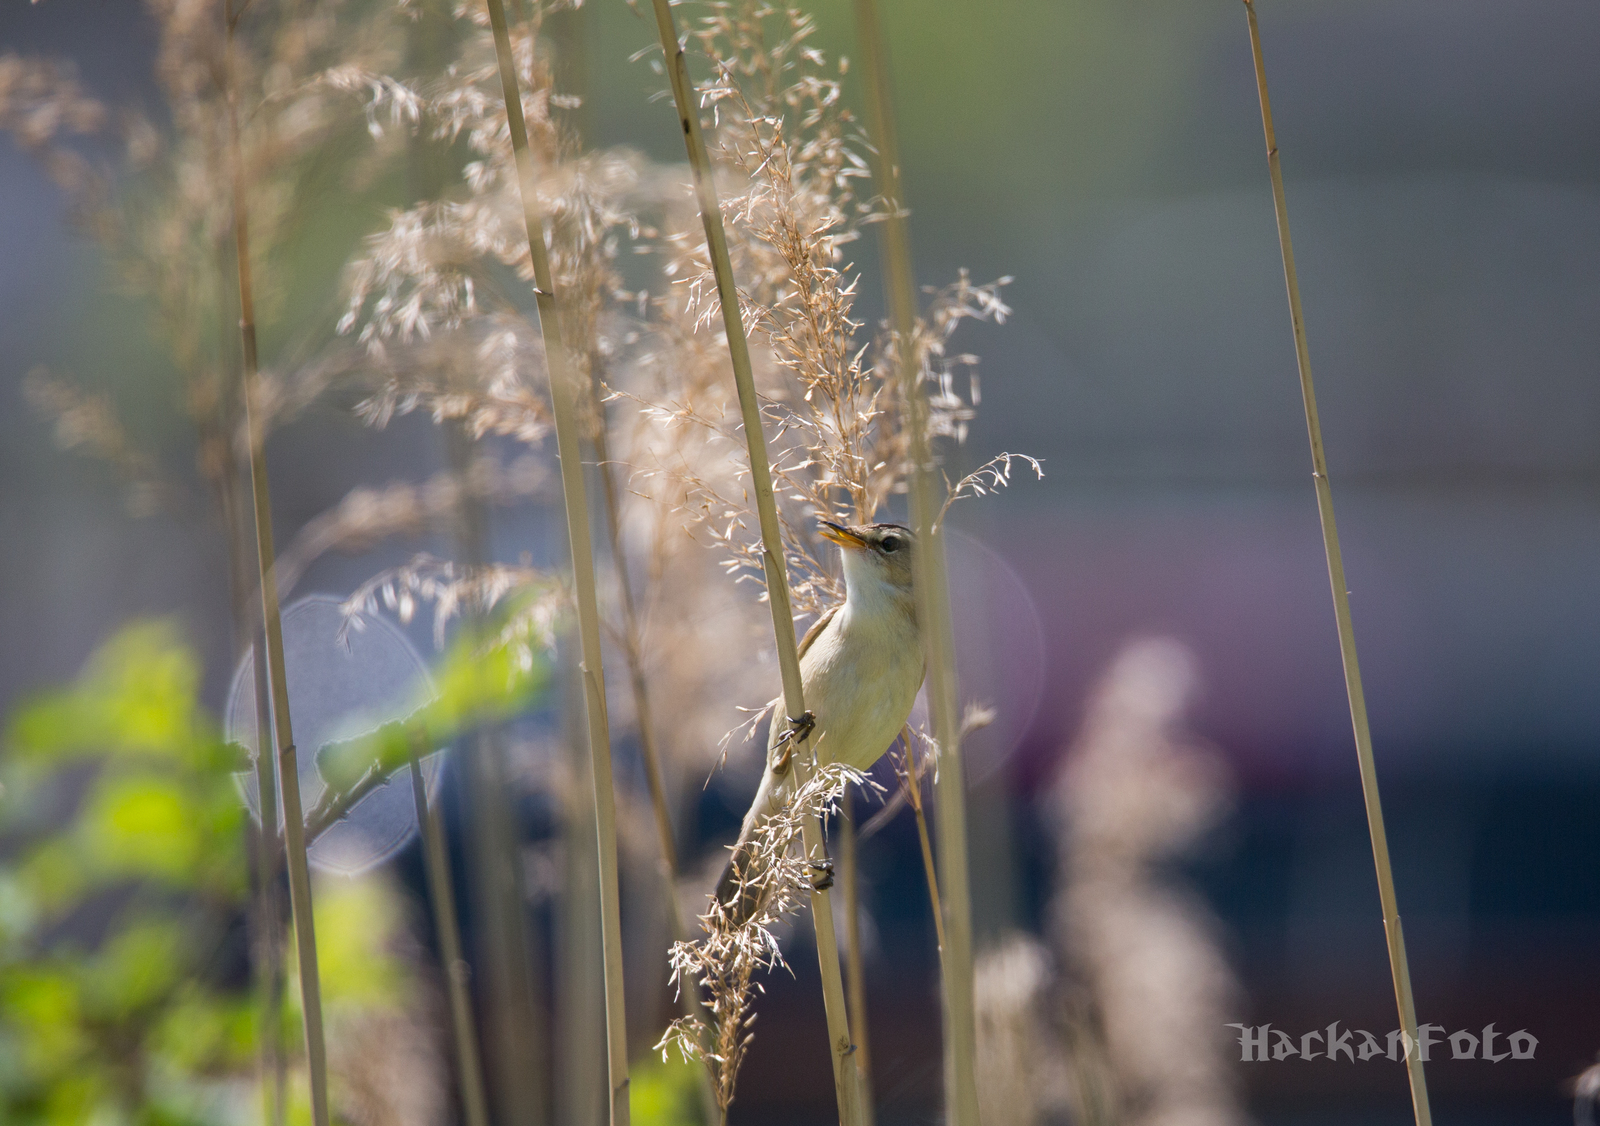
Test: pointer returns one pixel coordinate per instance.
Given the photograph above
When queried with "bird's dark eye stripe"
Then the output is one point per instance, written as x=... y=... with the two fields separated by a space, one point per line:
x=890 y=543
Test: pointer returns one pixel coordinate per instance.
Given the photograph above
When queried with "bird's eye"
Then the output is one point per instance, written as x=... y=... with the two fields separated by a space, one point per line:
x=890 y=544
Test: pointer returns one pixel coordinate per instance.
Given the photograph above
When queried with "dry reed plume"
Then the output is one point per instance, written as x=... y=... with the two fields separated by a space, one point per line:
x=1119 y=1018
x=726 y=960
x=785 y=151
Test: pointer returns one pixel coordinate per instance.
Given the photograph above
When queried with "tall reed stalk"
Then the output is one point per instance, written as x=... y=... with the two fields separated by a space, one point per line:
x=690 y=998
x=913 y=783
x=855 y=970
x=563 y=394
x=424 y=169
x=580 y=957
x=1398 y=966
x=268 y=948
x=441 y=893
x=269 y=848
x=932 y=586
x=508 y=948
x=846 y=1080
x=272 y=622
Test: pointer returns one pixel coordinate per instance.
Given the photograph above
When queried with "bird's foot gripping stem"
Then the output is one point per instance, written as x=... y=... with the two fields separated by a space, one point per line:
x=824 y=874
x=799 y=729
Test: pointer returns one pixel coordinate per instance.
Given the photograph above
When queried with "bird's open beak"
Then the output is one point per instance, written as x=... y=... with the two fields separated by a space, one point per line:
x=842 y=536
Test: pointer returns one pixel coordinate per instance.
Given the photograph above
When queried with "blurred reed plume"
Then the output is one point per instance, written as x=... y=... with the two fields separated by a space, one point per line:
x=1586 y=1095
x=163 y=220
x=366 y=517
x=41 y=103
x=1135 y=792
x=151 y=192
x=1119 y=1018
x=1020 y=1069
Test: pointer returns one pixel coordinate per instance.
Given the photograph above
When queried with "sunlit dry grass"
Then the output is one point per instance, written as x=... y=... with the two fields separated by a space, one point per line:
x=435 y=322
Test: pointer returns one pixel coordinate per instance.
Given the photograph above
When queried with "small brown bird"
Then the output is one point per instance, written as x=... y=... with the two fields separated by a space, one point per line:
x=861 y=666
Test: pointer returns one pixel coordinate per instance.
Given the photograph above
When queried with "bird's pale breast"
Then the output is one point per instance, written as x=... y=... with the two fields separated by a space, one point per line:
x=861 y=676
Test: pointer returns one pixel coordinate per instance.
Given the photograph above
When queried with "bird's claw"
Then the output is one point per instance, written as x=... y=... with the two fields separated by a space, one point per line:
x=800 y=728
x=824 y=878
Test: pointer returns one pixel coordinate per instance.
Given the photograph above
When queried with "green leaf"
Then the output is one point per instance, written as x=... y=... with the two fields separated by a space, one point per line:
x=43 y=1003
x=664 y=1094
x=143 y=825
x=135 y=968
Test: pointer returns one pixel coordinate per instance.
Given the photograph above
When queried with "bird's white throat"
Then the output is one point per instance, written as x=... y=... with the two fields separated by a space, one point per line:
x=868 y=590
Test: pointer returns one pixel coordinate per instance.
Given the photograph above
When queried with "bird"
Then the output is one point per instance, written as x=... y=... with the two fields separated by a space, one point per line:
x=861 y=666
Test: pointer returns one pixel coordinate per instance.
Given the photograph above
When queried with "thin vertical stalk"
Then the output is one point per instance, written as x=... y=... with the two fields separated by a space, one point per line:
x=269 y=848
x=855 y=971
x=441 y=894
x=272 y=626
x=689 y=995
x=580 y=982
x=855 y=974
x=563 y=394
x=508 y=948
x=846 y=1082
x=268 y=951
x=654 y=778
x=932 y=586
x=1399 y=969
x=511 y=1008
x=914 y=795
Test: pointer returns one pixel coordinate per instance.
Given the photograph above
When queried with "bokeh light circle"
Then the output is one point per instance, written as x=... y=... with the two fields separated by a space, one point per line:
x=336 y=691
x=1000 y=652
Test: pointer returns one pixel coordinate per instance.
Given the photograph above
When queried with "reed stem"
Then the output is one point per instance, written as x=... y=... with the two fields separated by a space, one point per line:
x=1398 y=966
x=690 y=998
x=580 y=981
x=508 y=949
x=269 y=847
x=441 y=893
x=932 y=585
x=855 y=973
x=914 y=795
x=267 y=920
x=563 y=393
x=847 y=1087
x=272 y=625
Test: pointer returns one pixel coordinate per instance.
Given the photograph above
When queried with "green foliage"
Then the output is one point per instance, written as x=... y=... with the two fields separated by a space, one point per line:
x=128 y=875
x=665 y=1092
x=125 y=990
x=474 y=685
x=356 y=920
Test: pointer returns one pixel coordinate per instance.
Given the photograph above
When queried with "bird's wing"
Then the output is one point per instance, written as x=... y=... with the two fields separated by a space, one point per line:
x=775 y=732
x=816 y=629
